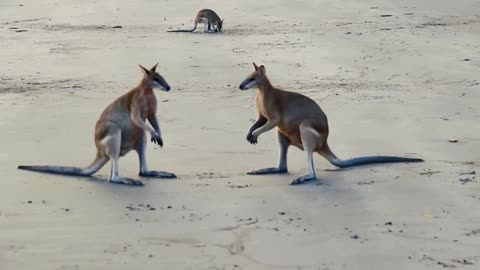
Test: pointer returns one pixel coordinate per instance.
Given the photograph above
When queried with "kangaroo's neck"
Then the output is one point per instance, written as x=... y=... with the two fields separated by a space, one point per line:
x=144 y=87
x=265 y=86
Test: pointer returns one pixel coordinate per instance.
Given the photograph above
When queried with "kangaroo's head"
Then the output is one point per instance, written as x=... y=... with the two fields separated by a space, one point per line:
x=219 y=26
x=254 y=79
x=153 y=79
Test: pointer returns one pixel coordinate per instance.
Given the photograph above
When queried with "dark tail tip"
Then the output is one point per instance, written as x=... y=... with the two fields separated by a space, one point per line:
x=23 y=167
x=407 y=160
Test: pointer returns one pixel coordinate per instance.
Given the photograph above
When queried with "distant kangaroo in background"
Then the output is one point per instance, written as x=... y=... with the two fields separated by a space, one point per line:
x=121 y=128
x=209 y=18
x=301 y=123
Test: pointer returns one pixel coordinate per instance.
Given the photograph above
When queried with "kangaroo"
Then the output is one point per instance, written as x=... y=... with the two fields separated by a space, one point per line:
x=301 y=123
x=121 y=128
x=210 y=19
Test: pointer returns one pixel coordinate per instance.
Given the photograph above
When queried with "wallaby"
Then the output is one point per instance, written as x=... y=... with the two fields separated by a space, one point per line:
x=301 y=123
x=210 y=19
x=121 y=128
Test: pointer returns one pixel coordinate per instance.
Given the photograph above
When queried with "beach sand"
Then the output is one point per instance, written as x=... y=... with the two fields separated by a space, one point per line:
x=394 y=78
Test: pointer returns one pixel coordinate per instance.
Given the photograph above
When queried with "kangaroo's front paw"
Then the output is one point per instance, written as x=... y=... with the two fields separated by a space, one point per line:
x=157 y=139
x=252 y=139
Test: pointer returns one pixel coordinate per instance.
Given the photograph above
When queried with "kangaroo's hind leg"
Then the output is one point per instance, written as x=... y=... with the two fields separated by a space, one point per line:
x=284 y=143
x=311 y=140
x=141 y=148
x=207 y=26
x=112 y=143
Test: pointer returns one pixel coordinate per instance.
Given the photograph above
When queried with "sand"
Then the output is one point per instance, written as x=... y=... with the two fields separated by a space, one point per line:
x=394 y=78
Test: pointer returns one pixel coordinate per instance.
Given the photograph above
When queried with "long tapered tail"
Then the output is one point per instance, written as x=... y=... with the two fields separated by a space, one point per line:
x=344 y=163
x=182 y=30
x=93 y=168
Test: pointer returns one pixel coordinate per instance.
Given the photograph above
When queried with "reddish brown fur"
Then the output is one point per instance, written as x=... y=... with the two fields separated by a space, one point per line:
x=120 y=129
x=142 y=98
x=289 y=110
x=300 y=122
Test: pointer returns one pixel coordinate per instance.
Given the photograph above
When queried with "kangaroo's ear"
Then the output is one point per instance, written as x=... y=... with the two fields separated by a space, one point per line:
x=144 y=70
x=255 y=66
x=262 y=70
x=154 y=68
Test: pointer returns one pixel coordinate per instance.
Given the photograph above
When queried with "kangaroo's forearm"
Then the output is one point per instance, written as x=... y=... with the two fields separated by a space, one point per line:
x=268 y=126
x=260 y=122
x=137 y=120
x=154 y=122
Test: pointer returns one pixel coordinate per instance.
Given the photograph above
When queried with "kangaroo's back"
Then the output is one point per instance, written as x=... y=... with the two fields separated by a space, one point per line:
x=300 y=107
x=209 y=14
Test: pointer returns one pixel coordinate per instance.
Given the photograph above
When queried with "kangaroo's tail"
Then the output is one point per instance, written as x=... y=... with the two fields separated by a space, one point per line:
x=182 y=30
x=93 y=168
x=330 y=156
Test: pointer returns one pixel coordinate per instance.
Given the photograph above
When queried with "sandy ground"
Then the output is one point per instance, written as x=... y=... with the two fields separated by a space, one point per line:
x=399 y=85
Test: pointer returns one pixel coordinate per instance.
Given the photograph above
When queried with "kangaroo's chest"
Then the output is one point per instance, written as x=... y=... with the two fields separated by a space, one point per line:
x=148 y=104
x=263 y=106
x=288 y=125
x=269 y=107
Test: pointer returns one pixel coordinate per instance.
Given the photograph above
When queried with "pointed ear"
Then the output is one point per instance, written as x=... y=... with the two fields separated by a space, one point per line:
x=262 y=70
x=144 y=70
x=154 y=68
x=255 y=66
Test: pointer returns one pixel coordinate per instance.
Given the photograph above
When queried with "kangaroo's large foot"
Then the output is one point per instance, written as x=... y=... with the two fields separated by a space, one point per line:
x=303 y=179
x=274 y=170
x=157 y=174
x=126 y=181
